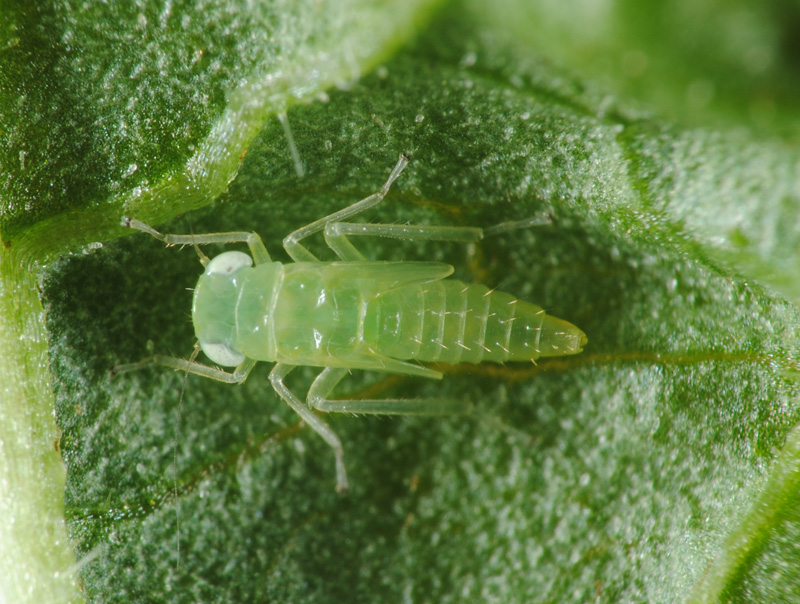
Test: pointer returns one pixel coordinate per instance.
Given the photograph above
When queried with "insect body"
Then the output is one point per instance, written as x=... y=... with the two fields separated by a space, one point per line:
x=354 y=314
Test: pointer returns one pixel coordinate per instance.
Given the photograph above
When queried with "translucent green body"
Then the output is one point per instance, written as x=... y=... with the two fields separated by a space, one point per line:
x=354 y=314
x=362 y=315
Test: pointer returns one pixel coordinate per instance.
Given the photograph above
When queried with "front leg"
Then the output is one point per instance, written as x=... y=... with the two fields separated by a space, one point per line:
x=237 y=376
x=253 y=241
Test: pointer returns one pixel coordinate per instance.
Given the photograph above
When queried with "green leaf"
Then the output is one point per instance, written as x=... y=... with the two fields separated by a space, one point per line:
x=150 y=108
x=659 y=465
x=147 y=109
x=696 y=62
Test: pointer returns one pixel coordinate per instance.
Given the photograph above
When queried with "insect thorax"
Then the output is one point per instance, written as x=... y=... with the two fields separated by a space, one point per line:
x=232 y=310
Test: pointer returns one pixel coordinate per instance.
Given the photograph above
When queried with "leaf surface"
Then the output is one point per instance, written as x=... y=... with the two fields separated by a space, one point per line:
x=659 y=465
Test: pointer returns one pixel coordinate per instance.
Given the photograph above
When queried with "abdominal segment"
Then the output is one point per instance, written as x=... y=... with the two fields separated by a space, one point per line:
x=452 y=322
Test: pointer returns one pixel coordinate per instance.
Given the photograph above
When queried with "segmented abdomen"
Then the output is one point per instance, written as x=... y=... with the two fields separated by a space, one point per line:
x=454 y=322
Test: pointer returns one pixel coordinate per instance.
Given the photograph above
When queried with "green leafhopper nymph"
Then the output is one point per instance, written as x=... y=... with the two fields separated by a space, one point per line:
x=353 y=314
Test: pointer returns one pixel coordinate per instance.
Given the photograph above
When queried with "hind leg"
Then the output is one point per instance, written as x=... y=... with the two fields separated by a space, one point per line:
x=330 y=377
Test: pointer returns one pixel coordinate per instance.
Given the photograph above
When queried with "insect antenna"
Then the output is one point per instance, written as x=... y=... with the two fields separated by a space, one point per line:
x=287 y=130
x=204 y=260
x=544 y=219
x=175 y=478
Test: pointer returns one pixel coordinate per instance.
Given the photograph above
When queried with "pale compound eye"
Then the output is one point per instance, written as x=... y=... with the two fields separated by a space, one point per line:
x=227 y=263
x=222 y=354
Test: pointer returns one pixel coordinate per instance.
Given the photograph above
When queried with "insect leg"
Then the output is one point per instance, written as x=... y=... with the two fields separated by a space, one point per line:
x=237 y=376
x=330 y=377
x=336 y=235
x=299 y=253
x=280 y=371
x=253 y=241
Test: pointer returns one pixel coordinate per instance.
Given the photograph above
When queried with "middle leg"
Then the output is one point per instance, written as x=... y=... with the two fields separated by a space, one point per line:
x=298 y=251
x=276 y=376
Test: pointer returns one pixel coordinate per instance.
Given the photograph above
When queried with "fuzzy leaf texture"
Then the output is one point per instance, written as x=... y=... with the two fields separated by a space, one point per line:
x=659 y=465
